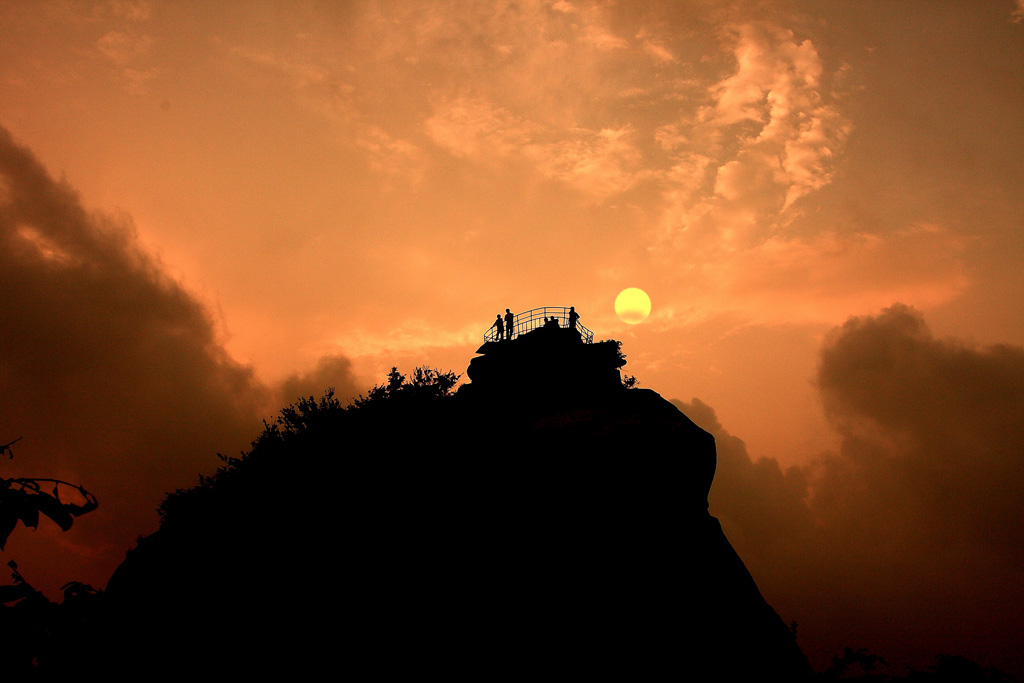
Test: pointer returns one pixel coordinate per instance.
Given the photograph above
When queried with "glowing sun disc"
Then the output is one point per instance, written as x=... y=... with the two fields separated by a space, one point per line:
x=632 y=305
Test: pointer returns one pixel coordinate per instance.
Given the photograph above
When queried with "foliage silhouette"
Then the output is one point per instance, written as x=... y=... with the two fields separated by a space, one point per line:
x=24 y=499
x=425 y=530
x=959 y=669
x=31 y=626
x=426 y=384
x=618 y=348
x=38 y=636
x=860 y=665
x=6 y=448
x=446 y=531
x=322 y=420
x=854 y=663
x=23 y=621
x=420 y=530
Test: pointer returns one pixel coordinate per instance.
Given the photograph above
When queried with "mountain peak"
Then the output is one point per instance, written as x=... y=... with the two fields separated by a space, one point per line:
x=543 y=522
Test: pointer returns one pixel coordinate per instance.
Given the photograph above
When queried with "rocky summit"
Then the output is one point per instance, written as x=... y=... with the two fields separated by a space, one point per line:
x=543 y=522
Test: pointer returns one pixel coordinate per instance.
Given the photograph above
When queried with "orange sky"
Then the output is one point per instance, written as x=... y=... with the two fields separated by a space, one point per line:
x=212 y=207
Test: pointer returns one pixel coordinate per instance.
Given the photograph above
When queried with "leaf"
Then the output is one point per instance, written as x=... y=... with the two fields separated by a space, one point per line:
x=54 y=509
x=8 y=520
x=90 y=503
x=27 y=512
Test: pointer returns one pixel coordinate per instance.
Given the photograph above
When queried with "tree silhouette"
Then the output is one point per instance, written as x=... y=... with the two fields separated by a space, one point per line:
x=847 y=665
x=426 y=383
x=310 y=425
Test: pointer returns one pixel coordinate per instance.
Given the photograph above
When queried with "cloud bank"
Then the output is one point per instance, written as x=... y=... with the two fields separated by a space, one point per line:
x=112 y=372
x=913 y=525
x=931 y=429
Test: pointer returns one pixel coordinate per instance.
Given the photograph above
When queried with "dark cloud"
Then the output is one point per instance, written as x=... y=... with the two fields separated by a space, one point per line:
x=111 y=371
x=932 y=433
x=922 y=503
x=763 y=507
x=330 y=372
x=908 y=540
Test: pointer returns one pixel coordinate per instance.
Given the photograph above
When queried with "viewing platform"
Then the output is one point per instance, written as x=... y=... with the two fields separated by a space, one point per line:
x=560 y=350
x=534 y=319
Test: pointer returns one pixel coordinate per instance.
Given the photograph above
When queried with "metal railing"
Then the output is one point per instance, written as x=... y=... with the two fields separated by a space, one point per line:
x=533 y=319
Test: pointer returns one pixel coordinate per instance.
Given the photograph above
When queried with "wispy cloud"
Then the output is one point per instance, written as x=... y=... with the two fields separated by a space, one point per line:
x=600 y=163
x=407 y=337
x=317 y=85
x=658 y=52
x=132 y=10
x=785 y=131
x=123 y=48
x=129 y=52
x=826 y=276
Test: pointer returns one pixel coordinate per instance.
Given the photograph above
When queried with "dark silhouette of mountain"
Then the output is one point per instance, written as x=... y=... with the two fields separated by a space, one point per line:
x=543 y=522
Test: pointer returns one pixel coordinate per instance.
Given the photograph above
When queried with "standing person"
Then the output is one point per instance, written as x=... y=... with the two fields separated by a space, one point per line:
x=573 y=317
x=509 y=324
x=498 y=324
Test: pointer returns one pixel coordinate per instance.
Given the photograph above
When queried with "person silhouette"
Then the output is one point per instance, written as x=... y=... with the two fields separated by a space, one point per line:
x=509 y=324
x=500 y=327
x=573 y=317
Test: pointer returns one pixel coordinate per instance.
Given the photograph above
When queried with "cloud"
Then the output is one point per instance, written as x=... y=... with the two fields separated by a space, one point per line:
x=328 y=89
x=913 y=525
x=132 y=10
x=411 y=336
x=763 y=508
x=112 y=372
x=319 y=85
x=137 y=80
x=389 y=156
x=931 y=429
x=789 y=132
x=478 y=129
x=122 y=48
x=659 y=52
x=127 y=51
x=767 y=134
x=771 y=133
x=828 y=276
x=600 y=163
x=330 y=372
x=545 y=85
x=602 y=39
x=819 y=277
x=922 y=502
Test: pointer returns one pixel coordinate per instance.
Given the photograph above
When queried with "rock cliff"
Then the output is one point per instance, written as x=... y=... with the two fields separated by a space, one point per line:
x=542 y=523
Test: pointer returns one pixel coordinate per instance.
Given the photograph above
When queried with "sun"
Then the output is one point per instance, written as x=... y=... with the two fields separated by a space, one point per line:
x=632 y=305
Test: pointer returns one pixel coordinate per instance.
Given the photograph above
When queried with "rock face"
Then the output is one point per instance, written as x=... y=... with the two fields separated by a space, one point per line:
x=555 y=358
x=481 y=536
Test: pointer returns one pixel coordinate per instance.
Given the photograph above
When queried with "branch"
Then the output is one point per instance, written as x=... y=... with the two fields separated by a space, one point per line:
x=6 y=448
